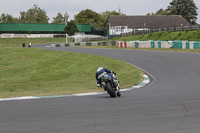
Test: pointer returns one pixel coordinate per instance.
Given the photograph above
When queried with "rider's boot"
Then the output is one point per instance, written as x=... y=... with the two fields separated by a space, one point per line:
x=118 y=92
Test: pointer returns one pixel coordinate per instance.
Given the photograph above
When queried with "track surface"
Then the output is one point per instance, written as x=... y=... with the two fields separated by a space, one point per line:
x=171 y=104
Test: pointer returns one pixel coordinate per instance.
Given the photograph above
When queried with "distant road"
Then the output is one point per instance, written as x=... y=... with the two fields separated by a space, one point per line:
x=170 y=104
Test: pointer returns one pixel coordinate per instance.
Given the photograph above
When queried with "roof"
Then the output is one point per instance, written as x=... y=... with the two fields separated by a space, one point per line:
x=160 y=21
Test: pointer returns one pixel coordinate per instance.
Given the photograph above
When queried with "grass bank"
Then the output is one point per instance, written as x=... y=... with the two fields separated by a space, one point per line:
x=13 y=42
x=164 y=35
x=38 y=72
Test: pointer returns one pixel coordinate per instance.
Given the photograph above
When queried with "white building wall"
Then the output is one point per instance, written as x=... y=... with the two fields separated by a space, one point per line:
x=117 y=30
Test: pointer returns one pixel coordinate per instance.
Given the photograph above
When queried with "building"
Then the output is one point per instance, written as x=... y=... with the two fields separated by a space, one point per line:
x=125 y=24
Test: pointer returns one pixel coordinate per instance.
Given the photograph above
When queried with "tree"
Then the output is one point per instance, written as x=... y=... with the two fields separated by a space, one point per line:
x=22 y=17
x=60 y=19
x=90 y=17
x=186 y=8
x=71 y=27
x=106 y=16
x=7 y=18
x=34 y=15
x=160 y=12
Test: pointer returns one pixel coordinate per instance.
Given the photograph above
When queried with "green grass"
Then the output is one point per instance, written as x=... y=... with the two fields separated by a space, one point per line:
x=11 y=42
x=38 y=72
x=164 y=35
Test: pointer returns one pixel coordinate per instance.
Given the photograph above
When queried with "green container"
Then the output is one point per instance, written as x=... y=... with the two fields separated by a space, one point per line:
x=99 y=43
x=113 y=43
x=174 y=45
x=67 y=45
x=196 y=45
x=187 y=45
x=57 y=45
x=152 y=44
x=159 y=44
x=88 y=44
x=179 y=44
x=77 y=44
x=104 y=43
x=136 y=44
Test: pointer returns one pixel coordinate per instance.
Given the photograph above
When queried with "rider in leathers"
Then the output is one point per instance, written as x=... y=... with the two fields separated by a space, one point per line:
x=101 y=70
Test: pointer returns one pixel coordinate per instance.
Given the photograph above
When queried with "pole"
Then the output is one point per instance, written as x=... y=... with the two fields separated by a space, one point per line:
x=65 y=19
x=66 y=38
x=66 y=25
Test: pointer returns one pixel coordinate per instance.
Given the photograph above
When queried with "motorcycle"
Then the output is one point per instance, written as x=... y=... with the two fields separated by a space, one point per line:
x=111 y=84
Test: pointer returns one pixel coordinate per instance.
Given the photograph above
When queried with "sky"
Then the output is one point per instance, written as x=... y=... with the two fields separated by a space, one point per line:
x=73 y=7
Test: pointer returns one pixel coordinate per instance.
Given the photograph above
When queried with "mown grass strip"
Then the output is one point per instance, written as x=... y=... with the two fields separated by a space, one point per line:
x=164 y=35
x=37 y=72
x=13 y=42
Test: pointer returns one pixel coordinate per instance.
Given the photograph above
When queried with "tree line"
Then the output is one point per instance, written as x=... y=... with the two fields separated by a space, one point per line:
x=186 y=8
x=38 y=15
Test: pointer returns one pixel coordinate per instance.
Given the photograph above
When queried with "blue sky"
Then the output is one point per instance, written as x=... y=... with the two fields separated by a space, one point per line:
x=72 y=7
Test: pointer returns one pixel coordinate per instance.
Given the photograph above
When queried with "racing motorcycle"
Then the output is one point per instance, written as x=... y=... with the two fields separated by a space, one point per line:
x=111 y=84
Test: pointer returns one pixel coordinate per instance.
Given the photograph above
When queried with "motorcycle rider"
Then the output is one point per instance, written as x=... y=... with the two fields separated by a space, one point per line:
x=101 y=70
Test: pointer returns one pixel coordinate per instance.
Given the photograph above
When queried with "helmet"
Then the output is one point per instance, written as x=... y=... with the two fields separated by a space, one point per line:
x=99 y=69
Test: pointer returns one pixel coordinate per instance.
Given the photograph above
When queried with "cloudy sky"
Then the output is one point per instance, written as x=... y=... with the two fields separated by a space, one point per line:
x=72 y=7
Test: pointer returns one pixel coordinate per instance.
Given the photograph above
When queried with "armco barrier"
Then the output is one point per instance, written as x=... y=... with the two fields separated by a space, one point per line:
x=159 y=44
x=187 y=45
x=138 y=44
x=121 y=44
x=130 y=44
x=57 y=45
x=152 y=44
x=196 y=45
x=82 y=43
x=191 y=45
x=144 y=44
x=67 y=45
x=94 y=43
x=77 y=44
x=118 y=44
x=112 y=43
x=62 y=45
x=88 y=44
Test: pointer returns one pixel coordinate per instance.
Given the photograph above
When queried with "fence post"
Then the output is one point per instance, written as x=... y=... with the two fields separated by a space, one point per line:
x=181 y=27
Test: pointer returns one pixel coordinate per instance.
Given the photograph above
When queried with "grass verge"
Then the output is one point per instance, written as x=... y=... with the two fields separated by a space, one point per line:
x=38 y=72
x=13 y=42
x=164 y=35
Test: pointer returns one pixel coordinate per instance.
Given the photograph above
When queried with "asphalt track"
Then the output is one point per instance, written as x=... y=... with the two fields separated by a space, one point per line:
x=170 y=104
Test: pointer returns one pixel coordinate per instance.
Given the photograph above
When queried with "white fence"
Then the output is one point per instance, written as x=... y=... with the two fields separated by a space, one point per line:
x=26 y=35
